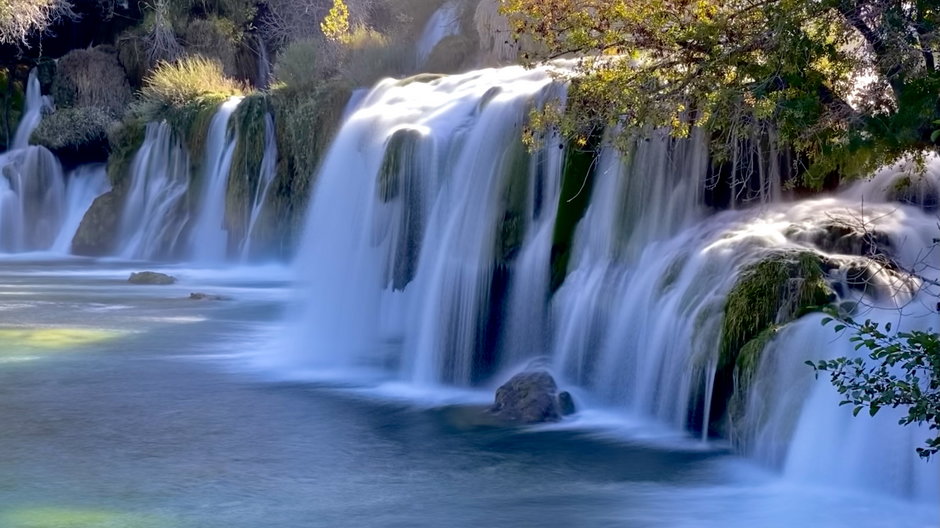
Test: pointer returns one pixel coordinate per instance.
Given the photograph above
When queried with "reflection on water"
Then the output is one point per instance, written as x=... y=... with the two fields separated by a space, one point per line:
x=126 y=430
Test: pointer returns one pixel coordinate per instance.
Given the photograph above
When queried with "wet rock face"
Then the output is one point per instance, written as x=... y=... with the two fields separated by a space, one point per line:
x=530 y=398
x=151 y=278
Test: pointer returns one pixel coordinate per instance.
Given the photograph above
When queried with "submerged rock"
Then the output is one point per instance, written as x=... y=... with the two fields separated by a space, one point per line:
x=530 y=398
x=151 y=278
x=197 y=296
x=566 y=403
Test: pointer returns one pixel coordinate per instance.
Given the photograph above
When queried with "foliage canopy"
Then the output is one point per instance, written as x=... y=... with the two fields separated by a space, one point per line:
x=847 y=84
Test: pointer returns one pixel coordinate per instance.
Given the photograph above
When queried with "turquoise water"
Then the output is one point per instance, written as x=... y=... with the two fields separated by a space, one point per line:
x=133 y=406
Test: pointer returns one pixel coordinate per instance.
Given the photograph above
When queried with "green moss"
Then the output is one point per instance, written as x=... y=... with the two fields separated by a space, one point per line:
x=399 y=154
x=74 y=129
x=248 y=123
x=305 y=122
x=513 y=200
x=577 y=184
x=125 y=139
x=769 y=294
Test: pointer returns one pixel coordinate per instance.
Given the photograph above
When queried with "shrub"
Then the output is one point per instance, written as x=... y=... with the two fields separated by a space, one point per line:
x=301 y=64
x=21 y=18
x=188 y=80
x=91 y=77
x=215 y=38
x=453 y=54
x=186 y=93
x=369 y=56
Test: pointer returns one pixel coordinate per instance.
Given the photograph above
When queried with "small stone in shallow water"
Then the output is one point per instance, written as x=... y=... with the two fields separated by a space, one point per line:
x=151 y=277
x=197 y=296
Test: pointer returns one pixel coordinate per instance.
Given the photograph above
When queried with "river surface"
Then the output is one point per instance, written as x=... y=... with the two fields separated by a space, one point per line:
x=128 y=406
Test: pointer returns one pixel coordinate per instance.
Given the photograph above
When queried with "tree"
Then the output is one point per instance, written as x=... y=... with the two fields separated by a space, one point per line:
x=19 y=19
x=849 y=85
x=904 y=372
x=335 y=25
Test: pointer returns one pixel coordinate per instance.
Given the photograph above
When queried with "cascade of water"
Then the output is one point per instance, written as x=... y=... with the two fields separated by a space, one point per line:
x=32 y=113
x=264 y=64
x=209 y=239
x=32 y=192
x=429 y=243
x=442 y=24
x=154 y=210
x=265 y=177
x=394 y=228
x=83 y=185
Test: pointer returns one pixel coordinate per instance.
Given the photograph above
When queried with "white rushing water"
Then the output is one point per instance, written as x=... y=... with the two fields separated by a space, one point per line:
x=442 y=24
x=209 y=238
x=32 y=113
x=426 y=258
x=266 y=175
x=154 y=210
x=41 y=207
x=83 y=185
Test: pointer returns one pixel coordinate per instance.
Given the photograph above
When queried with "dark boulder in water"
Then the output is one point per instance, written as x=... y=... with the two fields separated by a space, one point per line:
x=530 y=398
x=151 y=278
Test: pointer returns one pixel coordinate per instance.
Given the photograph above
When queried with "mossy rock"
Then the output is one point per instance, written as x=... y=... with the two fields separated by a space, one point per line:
x=399 y=157
x=514 y=199
x=305 y=122
x=576 y=187
x=76 y=135
x=453 y=54
x=768 y=294
x=400 y=179
x=125 y=139
x=248 y=125
x=151 y=278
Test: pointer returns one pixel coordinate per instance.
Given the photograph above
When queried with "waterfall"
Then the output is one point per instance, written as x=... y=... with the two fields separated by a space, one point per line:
x=431 y=236
x=209 y=239
x=32 y=114
x=154 y=210
x=83 y=185
x=32 y=193
x=40 y=206
x=266 y=175
x=442 y=24
x=170 y=213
